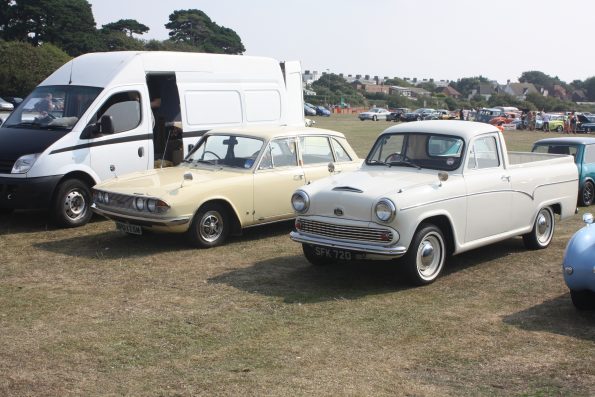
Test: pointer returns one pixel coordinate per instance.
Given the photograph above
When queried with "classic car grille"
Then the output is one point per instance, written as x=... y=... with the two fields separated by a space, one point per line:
x=344 y=232
x=6 y=166
x=118 y=201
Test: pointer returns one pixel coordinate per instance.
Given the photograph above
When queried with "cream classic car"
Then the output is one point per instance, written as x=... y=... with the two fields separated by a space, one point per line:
x=432 y=188
x=232 y=179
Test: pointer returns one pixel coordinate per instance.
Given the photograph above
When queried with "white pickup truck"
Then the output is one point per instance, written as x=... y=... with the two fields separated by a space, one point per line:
x=430 y=189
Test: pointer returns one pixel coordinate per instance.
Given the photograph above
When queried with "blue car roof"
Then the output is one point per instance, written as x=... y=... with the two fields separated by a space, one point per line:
x=574 y=140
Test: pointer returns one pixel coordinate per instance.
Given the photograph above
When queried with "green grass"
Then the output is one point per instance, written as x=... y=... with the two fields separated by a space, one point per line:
x=90 y=311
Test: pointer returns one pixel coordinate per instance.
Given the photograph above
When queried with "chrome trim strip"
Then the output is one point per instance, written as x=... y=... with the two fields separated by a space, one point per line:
x=395 y=252
x=153 y=221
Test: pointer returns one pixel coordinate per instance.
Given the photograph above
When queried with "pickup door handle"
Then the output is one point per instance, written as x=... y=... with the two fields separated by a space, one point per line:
x=505 y=178
x=298 y=177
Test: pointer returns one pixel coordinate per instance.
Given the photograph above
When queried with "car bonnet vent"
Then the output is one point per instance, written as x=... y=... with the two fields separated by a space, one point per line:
x=347 y=189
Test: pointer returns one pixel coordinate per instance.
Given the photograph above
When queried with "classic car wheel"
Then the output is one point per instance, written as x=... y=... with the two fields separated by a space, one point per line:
x=210 y=226
x=426 y=255
x=316 y=260
x=588 y=130
x=374 y=118
x=559 y=128
x=587 y=194
x=543 y=230
x=71 y=204
x=583 y=300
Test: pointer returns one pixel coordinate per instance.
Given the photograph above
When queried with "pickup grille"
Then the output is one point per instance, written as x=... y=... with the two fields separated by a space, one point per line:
x=342 y=232
x=6 y=166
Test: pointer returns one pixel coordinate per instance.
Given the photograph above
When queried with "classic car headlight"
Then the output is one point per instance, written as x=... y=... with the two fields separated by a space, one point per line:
x=24 y=163
x=385 y=210
x=100 y=197
x=300 y=201
x=105 y=198
x=151 y=205
x=139 y=203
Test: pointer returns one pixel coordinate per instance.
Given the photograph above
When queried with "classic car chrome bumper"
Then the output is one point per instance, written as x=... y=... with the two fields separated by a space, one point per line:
x=141 y=221
x=368 y=249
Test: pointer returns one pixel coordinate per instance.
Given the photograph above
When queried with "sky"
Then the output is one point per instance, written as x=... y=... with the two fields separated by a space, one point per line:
x=439 y=39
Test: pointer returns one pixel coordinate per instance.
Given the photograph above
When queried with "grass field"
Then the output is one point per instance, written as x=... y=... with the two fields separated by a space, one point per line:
x=90 y=311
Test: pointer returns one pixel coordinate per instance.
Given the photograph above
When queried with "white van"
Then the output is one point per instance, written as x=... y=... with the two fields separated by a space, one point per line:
x=102 y=115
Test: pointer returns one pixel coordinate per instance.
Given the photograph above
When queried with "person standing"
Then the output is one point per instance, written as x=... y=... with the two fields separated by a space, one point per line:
x=573 y=123
x=546 y=121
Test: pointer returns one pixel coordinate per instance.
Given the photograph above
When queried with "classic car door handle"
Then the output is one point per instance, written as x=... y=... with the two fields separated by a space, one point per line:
x=298 y=177
x=505 y=178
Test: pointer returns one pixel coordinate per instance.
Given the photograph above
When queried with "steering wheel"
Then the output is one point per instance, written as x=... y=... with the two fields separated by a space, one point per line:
x=395 y=157
x=213 y=153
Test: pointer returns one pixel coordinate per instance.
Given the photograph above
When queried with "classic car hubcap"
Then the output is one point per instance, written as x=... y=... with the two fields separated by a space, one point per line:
x=211 y=226
x=74 y=205
x=429 y=256
x=588 y=193
x=544 y=226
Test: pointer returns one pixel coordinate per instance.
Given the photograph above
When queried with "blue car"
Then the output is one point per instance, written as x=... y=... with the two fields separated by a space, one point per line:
x=578 y=266
x=583 y=150
x=322 y=111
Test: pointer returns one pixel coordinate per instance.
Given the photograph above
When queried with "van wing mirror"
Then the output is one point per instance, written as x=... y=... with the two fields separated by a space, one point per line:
x=90 y=131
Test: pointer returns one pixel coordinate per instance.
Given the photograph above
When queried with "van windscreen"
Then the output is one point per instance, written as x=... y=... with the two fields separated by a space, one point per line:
x=53 y=107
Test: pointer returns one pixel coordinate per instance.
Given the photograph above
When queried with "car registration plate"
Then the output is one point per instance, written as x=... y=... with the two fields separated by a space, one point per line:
x=129 y=228
x=334 y=253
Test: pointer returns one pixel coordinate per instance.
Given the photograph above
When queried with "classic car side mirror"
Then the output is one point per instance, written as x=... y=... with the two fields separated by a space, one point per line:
x=331 y=167
x=443 y=176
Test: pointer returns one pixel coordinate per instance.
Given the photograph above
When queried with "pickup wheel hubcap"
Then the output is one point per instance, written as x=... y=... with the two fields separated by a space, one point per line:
x=429 y=255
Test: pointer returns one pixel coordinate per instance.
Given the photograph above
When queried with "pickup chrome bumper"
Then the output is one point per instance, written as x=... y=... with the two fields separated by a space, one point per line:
x=371 y=251
x=141 y=221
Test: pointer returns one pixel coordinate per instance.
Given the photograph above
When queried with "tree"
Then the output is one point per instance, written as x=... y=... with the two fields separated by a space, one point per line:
x=68 y=24
x=195 y=28
x=127 y=26
x=333 y=88
x=115 y=40
x=24 y=66
x=540 y=79
x=467 y=84
x=589 y=86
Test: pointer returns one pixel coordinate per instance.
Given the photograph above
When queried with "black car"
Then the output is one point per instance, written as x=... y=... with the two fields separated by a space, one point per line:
x=395 y=115
x=416 y=115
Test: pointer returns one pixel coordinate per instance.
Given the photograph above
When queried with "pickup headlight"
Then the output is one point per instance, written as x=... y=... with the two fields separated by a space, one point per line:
x=385 y=210
x=300 y=201
x=24 y=163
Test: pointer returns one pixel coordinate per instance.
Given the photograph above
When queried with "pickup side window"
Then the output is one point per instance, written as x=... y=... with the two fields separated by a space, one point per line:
x=315 y=150
x=484 y=154
x=279 y=153
x=124 y=110
x=589 y=154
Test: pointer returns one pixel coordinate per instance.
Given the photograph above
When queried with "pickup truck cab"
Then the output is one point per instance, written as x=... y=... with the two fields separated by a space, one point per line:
x=583 y=151
x=433 y=188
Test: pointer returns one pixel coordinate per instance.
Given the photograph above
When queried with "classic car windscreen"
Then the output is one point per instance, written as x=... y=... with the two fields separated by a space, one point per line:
x=434 y=151
x=556 y=148
x=53 y=107
x=226 y=150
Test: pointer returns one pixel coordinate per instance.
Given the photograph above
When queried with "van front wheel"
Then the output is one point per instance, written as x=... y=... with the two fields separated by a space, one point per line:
x=72 y=204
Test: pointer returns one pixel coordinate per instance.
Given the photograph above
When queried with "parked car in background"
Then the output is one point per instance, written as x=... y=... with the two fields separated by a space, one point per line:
x=578 y=266
x=556 y=123
x=586 y=123
x=395 y=114
x=583 y=151
x=484 y=115
x=13 y=99
x=309 y=111
x=430 y=189
x=233 y=178
x=417 y=115
x=6 y=106
x=374 y=114
x=322 y=111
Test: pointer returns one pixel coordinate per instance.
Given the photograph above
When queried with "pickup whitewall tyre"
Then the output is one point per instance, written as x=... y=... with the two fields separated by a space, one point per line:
x=542 y=233
x=426 y=255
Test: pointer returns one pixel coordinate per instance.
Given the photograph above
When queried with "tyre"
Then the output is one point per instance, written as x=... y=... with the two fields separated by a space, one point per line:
x=210 y=226
x=418 y=118
x=583 y=300
x=374 y=118
x=543 y=230
x=71 y=206
x=316 y=260
x=426 y=255
x=588 y=130
x=587 y=194
x=559 y=128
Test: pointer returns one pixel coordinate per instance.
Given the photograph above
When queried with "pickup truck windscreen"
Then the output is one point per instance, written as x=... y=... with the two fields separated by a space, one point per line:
x=433 y=151
x=53 y=108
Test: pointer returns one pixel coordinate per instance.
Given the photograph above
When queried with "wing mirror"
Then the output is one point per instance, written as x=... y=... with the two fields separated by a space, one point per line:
x=106 y=125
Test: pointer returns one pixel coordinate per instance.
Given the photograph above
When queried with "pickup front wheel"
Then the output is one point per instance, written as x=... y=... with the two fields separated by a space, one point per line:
x=543 y=230
x=426 y=255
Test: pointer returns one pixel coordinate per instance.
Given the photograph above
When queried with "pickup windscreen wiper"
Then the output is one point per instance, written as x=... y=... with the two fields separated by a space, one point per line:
x=404 y=162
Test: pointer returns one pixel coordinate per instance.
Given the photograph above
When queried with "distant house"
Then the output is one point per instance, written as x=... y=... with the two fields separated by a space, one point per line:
x=404 y=91
x=559 y=92
x=417 y=92
x=370 y=87
x=485 y=90
x=579 y=96
x=520 y=90
x=450 y=92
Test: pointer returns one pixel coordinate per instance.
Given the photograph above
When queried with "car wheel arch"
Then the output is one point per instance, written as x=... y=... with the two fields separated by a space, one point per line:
x=236 y=225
